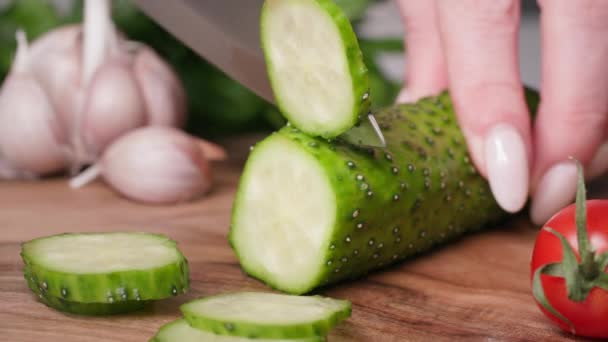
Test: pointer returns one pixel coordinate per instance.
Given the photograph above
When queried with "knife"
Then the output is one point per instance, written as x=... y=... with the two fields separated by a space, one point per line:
x=227 y=34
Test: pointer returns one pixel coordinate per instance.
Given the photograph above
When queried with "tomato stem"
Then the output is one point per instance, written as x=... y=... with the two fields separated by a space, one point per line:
x=589 y=267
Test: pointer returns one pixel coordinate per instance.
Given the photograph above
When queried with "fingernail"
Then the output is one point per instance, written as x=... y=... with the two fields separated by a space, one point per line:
x=556 y=189
x=404 y=96
x=507 y=169
x=599 y=163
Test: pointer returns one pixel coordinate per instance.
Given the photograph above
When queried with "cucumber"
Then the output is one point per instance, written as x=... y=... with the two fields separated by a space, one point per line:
x=89 y=309
x=315 y=66
x=266 y=315
x=309 y=212
x=180 y=331
x=106 y=267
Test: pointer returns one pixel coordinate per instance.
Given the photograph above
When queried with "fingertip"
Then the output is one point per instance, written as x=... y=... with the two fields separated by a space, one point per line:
x=404 y=96
x=599 y=164
x=556 y=189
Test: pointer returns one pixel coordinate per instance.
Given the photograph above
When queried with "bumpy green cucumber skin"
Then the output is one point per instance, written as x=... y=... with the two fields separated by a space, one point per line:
x=86 y=309
x=133 y=285
x=358 y=70
x=420 y=191
x=180 y=331
x=318 y=328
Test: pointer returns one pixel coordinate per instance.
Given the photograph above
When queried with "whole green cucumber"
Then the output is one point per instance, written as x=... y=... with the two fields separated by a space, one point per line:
x=310 y=212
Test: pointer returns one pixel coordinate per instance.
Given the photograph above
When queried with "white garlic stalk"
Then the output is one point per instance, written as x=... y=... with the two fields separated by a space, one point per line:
x=158 y=165
x=30 y=134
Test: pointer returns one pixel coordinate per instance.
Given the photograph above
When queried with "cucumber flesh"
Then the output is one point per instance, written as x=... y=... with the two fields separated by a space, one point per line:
x=180 y=331
x=107 y=267
x=88 y=309
x=309 y=212
x=315 y=65
x=266 y=315
x=284 y=214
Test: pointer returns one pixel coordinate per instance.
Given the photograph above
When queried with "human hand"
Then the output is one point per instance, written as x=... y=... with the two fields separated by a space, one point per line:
x=471 y=47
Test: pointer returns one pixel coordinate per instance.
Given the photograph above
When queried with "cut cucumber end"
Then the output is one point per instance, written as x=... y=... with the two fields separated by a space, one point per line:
x=266 y=315
x=283 y=216
x=180 y=331
x=315 y=65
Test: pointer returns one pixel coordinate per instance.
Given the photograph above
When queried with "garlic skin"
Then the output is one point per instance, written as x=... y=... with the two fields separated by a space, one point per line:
x=30 y=133
x=113 y=107
x=55 y=61
x=155 y=165
x=164 y=95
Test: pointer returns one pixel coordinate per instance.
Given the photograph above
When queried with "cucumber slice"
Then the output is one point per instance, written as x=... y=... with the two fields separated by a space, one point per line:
x=107 y=267
x=180 y=331
x=89 y=309
x=266 y=315
x=315 y=66
x=309 y=212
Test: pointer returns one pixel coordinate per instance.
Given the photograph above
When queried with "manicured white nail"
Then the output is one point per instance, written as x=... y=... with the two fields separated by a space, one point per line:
x=556 y=189
x=507 y=168
x=404 y=96
x=599 y=163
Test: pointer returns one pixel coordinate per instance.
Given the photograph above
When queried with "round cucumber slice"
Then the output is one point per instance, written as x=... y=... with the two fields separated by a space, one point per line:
x=107 y=267
x=315 y=66
x=88 y=309
x=180 y=331
x=266 y=315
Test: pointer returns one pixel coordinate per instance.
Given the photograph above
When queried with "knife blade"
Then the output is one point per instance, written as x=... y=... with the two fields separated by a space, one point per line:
x=227 y=34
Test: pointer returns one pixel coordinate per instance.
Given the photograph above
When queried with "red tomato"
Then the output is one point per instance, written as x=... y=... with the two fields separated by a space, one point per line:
x=590 y=317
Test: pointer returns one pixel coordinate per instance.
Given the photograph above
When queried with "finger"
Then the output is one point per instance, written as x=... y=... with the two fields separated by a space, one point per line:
x=572 y=117
x=480 y=41
x=599 y=164
x=426 y=71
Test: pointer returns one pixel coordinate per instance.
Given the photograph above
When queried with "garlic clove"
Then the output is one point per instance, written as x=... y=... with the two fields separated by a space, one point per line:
x=163 y=92
x=57 y=40
x=29 y=131
x=9 y=172
x=113 y=106
x=56 y=63
x=157 y=165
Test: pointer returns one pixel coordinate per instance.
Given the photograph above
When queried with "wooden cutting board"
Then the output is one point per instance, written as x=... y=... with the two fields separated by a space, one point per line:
x=476 y=288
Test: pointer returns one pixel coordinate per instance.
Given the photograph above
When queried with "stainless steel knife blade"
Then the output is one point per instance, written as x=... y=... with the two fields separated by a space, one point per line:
x=227 y=33
x=366 y=133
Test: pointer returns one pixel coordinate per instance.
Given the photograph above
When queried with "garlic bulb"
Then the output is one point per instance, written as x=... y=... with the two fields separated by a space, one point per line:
x=80 y=87
x=30 y=134
x=155 y=165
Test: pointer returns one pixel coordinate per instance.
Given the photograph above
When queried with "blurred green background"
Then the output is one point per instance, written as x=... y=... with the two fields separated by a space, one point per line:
x=218 y=106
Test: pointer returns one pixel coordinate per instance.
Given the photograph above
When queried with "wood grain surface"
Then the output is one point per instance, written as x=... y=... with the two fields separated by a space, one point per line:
x=475 y=289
